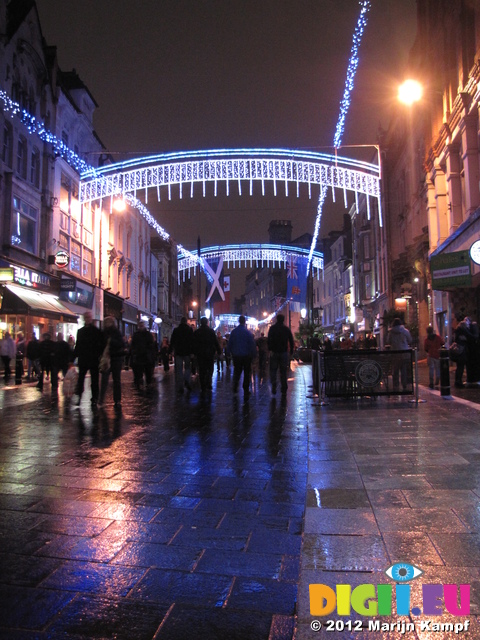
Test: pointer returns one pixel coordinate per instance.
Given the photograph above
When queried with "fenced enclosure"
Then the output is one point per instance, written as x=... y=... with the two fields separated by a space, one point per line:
x=352 y=373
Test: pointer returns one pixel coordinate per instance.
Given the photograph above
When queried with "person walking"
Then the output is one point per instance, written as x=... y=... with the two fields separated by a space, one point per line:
x=164 y=354
x=143 y=356
x=20 y=352
x=432 y=345
x=220 y=358
x=464 y=338
x=88 y=349
x=113 y=341
x=280 y=340
x=243 y=349
x=205 y=346
x=181 y=345
x=47 y=353
x=399 y=339
x=7 y=352
x=262 y=346
x=33 y=357
x=62 y=357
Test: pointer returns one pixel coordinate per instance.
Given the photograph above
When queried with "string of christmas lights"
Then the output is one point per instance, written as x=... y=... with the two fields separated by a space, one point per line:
x=35 y=126
x=344 y=107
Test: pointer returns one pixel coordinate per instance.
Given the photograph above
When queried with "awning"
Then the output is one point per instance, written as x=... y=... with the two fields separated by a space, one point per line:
x=19 y=300
x=74 y=308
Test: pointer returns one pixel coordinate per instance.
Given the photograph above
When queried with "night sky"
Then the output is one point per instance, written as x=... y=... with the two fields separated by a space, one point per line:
x=201 y=74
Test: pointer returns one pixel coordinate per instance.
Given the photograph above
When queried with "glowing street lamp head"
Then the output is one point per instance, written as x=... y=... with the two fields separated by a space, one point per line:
x=119 y=205
x=410 y=91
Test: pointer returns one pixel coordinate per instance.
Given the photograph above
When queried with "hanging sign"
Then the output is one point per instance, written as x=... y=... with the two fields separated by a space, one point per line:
x=62 y=259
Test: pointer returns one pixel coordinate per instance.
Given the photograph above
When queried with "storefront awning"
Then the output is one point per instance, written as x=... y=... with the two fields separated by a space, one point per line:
x=74 y=308
x=20 y=300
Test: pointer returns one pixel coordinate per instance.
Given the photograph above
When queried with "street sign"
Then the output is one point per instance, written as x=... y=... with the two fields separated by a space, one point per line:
x=450 y=270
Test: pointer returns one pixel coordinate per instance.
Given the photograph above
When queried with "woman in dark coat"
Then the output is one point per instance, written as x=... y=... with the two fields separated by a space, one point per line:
x=113 y=341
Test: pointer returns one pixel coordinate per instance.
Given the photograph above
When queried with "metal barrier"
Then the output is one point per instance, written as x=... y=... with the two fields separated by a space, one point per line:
x=352 y=373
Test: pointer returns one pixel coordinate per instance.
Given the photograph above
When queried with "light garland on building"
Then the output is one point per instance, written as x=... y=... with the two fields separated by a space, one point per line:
x=344 y=107
x=37 y=127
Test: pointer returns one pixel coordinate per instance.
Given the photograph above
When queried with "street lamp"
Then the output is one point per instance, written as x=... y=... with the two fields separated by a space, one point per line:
x=410 y=91
x=303 y=313
x=119 y=205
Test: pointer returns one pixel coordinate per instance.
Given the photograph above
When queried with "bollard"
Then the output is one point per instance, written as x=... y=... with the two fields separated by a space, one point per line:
x=18 y=369
x=444 y=373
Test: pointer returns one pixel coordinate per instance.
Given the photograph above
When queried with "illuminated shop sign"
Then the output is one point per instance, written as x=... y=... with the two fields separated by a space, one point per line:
x=6 y=274
x=30 y=278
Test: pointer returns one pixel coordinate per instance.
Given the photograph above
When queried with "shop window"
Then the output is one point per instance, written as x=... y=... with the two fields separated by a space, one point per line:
x=24 y=226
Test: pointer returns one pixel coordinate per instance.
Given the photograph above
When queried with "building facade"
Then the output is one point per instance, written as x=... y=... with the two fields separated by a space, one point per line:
x=59 y=258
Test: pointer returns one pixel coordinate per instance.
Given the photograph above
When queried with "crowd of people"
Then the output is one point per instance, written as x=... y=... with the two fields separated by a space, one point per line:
x=105 y=352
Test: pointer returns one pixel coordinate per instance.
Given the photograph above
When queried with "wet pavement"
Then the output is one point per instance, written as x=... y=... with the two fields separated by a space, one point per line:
x=190 y=517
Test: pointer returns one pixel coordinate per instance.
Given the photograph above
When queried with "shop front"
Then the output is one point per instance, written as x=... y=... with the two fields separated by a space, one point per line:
x=130 y=319
x=30 y=304
x=78 y=298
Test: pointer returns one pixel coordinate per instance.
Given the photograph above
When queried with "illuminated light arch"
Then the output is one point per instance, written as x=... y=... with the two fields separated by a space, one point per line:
x=288 y=167
x=247 y=255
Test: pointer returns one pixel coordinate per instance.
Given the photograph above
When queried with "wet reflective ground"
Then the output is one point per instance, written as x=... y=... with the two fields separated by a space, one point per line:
x=178 y=517
x=188 y=517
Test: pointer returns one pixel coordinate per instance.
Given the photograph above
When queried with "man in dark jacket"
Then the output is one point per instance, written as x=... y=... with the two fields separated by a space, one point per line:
x=33 y=357
x=143 y=355
x=62 y=356
x=113 y=341
x=47 y=354
x=88 y=349
x=241 y=345
x=280 y=338
x=205 y=345
x=181 y=344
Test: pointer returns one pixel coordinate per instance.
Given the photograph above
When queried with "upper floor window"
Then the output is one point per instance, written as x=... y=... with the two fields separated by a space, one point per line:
x=24 y=226
x=22 y=157
x=7 y=144
x=35 y=168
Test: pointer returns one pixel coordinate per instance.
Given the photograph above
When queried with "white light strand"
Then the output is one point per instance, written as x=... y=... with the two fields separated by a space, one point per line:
x=73 y=159
x=344 y=107
x=37 y=127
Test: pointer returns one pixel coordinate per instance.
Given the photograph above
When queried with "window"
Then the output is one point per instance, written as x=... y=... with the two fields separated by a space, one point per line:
x=87 y=238
x=366 y=247
x=87 y=217
x=24 y=226
x=22 y=157
x=87 y=264
x=64 y=242
x=75 y=256
x=7 y=144
x=35 y=168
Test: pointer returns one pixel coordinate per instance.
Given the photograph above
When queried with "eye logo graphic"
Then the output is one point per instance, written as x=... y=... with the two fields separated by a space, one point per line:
x=385 y=599
x=403 y=572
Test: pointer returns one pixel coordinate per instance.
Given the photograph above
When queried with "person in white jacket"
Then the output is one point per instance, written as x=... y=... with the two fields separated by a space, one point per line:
x=7 y=352
x=399 y=339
